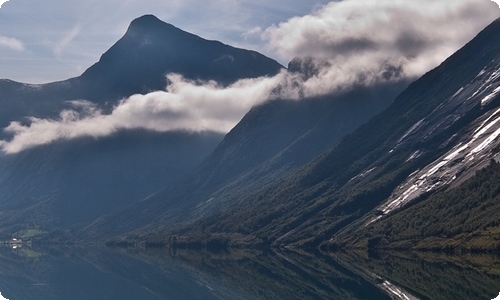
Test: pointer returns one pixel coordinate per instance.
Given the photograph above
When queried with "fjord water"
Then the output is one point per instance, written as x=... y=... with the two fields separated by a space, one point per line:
x=102 y=273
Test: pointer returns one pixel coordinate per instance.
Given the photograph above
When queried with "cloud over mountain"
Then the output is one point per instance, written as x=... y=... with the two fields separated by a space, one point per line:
x=337 y=47
x=357 y=41
x=185 y=105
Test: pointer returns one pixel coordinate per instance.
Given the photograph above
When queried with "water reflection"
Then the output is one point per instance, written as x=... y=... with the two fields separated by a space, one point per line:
x=103 y=273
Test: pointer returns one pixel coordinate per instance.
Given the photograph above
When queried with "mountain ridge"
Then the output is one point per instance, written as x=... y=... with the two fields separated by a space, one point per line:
x=161 y=48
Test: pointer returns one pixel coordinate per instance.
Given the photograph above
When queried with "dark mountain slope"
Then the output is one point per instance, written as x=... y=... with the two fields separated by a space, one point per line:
x=271 y=140
x=18 y=100
x=150 y=49
x=76 y=181
x=349 y=182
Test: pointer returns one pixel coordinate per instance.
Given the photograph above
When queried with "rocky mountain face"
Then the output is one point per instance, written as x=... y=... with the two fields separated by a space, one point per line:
x=436 y=135
x=69 y=182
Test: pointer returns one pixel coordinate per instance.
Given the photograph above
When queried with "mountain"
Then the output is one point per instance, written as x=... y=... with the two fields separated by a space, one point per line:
x=65 y=183
x=69 y=182
x=436 y=135
x=137 y=64
x=272 y=140
x=150 y=49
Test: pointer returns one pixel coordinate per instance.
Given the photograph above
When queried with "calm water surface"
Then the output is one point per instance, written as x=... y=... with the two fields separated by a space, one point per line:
x=103 y=273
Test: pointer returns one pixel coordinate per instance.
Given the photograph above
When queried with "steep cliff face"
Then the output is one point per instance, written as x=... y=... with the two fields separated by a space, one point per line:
x=470 y=119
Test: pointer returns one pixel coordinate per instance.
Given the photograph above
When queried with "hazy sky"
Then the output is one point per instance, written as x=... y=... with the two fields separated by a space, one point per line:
x=49 y=40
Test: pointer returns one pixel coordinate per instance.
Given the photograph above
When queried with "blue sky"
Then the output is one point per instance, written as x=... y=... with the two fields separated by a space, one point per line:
x=42 y=41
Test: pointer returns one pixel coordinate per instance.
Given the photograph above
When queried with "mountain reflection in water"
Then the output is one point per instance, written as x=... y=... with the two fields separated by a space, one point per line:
x=104 y=273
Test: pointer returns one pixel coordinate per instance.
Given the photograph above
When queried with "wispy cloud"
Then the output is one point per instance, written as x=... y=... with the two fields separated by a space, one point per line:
x=252 y=33
x=66 y=40
x=186 y=105
x=11 y=43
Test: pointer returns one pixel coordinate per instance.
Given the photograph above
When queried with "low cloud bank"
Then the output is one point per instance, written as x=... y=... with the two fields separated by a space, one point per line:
x=185 y=105
x=337 y=47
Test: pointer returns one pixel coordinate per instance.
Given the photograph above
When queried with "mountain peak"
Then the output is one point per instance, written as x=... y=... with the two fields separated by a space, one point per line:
x=149 y=22
x=146 y=19
x=151 y=48
x=151 y=25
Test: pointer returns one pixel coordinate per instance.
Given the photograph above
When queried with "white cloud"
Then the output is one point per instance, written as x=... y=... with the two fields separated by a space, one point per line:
x=185 y=105
x=357 y=40
x=11 y=43
x=1 y=3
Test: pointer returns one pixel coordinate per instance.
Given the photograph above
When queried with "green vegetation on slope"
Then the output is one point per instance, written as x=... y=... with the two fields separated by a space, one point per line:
x=465 y=218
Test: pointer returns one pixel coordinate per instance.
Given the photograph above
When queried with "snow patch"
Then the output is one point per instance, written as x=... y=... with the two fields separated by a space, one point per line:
x=495 y=75
x=415 y=155
x=486 y=100
x=483 y=71
x=448 y=167
x=472 y=145
x=411 y=130
x=396 y=292
x=458 y=92
x=491 y=138
x=362 y=174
